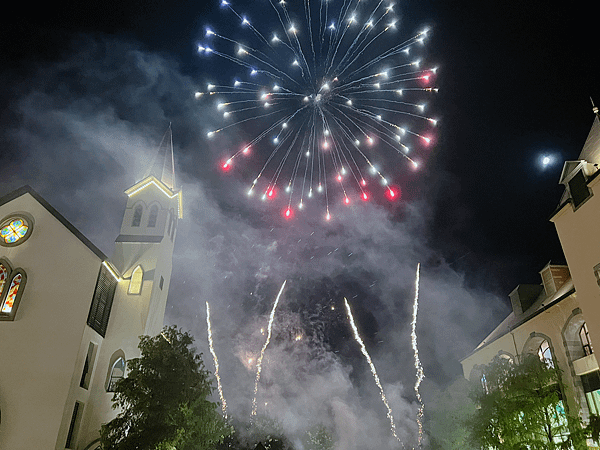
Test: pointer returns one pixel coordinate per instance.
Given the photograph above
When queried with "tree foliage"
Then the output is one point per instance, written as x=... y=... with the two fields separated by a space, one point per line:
x=164 y=399
x=448 y=414
x=319 y=438
x=520 y=407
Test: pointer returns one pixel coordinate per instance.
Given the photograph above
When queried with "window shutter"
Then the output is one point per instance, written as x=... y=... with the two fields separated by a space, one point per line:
x=102 y=301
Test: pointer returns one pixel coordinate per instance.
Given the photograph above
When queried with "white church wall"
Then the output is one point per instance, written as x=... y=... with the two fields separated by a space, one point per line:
x=39 y=351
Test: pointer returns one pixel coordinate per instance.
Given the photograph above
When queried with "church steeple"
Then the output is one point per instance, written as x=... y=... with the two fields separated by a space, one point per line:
x=144 y=248
x=163 y=165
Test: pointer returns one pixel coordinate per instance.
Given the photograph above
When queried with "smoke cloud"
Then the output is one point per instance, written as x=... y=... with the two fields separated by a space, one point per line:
x=83 y=129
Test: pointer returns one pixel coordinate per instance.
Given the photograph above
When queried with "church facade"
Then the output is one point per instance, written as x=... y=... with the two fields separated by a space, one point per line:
x=559 y=319
x=70 y=317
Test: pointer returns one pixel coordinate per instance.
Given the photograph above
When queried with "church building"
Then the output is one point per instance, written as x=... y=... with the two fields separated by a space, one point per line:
x=559 y=319
x=70 y=317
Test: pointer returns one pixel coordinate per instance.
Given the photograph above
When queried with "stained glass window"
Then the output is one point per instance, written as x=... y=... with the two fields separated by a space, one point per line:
x=3 y=277
x=11 y=295
x=14 y=230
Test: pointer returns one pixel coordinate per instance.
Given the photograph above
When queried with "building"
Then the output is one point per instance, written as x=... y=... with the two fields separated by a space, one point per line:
x=70 y=316
x=559 y=319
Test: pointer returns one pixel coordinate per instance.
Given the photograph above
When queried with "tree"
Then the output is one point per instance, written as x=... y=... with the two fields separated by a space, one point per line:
x=164 y=399
x=319 y=438
x=448 y=413
x=520 y=407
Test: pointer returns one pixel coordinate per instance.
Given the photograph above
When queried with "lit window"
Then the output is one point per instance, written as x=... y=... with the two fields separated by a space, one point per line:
x=11 y=295
x=135 y=284
x=9 y=298
x=14 y=230
x=4 y=272
x=117 y=372
x=545 y=354
x=584 y=336
x=137 y=216
x=153 y=216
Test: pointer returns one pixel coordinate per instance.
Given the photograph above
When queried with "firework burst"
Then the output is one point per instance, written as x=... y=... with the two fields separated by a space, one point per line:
x=327 y=94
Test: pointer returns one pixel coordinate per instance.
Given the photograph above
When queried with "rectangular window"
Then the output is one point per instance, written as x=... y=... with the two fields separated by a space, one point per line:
x=102 y=301
x=161 y=283
x=88 y=366
x=75 y=417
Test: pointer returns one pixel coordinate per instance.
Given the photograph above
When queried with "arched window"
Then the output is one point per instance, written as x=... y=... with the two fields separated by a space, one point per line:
x=545 y=353
x=135 y=284
x=4 y=273
x=117 y=372
x=152 y=217
x=137 y=216
x=11 y=292
x=584 y=336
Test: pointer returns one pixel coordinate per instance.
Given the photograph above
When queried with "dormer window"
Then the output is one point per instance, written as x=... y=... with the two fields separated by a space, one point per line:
x=574 y=177
x=578 y=188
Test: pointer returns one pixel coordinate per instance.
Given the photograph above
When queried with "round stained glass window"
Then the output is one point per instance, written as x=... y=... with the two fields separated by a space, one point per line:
x=14 y=231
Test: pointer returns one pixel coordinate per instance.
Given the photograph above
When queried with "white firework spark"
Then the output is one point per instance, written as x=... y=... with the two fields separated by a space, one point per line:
x=262 y=351
x=216 y=361
x=364 y=351
x=418 y=366
x=323 y=96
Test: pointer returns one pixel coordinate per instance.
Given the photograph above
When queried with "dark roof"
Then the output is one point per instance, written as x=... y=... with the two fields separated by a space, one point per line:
x=78 y=234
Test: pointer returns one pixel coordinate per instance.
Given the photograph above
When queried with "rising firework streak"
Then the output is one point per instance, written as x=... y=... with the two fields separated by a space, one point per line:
x=216 y=360
x=262 y=352
x=363 y=349
x=420 y=373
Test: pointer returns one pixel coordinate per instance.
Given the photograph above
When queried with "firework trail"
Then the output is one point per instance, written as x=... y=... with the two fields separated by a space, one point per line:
x=363 y=349
x=262 y=352
x=418 y=366
x=216 y=361
x=327 y=96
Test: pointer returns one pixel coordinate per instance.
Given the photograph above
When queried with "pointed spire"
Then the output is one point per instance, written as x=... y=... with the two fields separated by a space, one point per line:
x=163 y=165
x=595 y=108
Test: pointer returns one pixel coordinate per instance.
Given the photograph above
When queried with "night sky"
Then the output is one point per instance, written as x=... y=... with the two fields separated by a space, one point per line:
x=89 y=88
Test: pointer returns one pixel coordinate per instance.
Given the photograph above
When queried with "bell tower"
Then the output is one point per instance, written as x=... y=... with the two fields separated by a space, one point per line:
x=144 y=248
